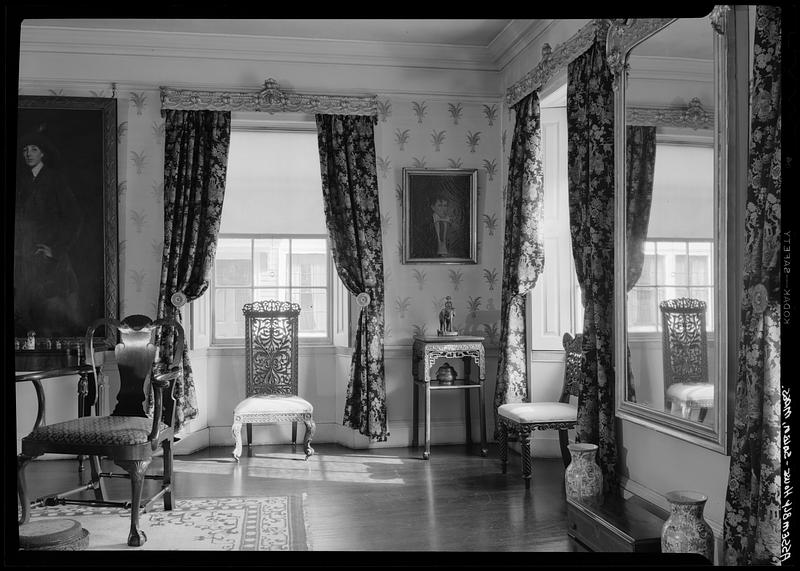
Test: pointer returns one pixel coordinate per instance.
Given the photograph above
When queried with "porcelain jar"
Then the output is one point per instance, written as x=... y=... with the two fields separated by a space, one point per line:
x=583 y=477
x=686 y=531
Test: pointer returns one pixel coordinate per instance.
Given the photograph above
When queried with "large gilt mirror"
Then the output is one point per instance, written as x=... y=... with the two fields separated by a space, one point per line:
x=673 y=224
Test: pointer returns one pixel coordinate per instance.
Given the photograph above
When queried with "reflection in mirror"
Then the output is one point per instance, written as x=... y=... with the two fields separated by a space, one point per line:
x=674 y=232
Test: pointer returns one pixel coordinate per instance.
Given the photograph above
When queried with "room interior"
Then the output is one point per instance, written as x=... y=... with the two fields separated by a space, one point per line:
x=445 y=94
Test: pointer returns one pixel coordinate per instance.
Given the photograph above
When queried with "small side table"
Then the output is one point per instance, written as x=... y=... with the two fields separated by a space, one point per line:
x=426 y=351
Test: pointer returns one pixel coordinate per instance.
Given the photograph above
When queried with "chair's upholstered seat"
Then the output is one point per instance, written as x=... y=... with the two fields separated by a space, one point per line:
x=694 y=395
x=538 y=412
x=96 y=431
x=273 y=404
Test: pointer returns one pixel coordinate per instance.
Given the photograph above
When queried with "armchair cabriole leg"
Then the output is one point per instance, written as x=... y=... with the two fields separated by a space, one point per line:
x=311 y=427
x=294 y=435
x=22 y=488
x=136 y=469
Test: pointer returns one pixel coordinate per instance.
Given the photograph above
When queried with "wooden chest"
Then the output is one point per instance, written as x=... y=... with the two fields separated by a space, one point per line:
x=615 y=524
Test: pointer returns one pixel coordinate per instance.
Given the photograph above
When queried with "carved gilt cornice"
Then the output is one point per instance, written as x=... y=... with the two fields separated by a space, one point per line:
x=624 y=34
x=719 y=18
x=693 y=115
x=271 y=99
x=554 y=61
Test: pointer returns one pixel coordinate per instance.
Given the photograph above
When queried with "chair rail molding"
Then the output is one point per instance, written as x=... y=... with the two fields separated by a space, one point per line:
x=556 y=60
x=271 y=99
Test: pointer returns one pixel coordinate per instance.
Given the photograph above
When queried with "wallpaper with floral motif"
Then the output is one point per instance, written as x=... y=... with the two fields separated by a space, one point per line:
x=411 y=132
x=441 y=133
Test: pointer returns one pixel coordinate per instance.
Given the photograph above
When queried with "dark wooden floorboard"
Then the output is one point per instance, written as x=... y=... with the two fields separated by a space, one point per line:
x=385 y=499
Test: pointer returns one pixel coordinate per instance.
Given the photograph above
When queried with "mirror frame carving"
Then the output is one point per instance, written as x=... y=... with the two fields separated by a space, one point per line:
x=623 y=36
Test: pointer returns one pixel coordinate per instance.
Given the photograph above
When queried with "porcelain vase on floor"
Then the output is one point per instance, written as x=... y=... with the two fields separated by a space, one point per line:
x=685 y=531
x=583 y=477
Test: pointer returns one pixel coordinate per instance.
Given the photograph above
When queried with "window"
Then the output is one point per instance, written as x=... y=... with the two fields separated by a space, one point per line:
x=671 y=269
x=273 y=239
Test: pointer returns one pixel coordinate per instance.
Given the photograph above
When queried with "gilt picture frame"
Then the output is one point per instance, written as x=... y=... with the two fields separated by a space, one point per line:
x=440 y=219
x=65 y=218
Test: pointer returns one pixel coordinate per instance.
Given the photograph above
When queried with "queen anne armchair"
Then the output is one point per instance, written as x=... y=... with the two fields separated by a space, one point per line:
x=128 y=436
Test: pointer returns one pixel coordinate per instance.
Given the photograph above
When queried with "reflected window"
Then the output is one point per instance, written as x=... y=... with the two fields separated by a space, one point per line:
x=671 y=269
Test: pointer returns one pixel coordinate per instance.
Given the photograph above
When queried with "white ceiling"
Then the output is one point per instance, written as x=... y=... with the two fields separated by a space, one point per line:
x=455 y=32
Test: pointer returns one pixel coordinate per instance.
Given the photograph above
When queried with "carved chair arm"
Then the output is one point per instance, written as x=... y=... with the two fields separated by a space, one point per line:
x=36 y=377
x=160 y=382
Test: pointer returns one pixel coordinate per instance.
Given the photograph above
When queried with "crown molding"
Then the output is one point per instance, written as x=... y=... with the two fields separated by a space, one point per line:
x=514 y=38
x=670 y=68
x=103 y=42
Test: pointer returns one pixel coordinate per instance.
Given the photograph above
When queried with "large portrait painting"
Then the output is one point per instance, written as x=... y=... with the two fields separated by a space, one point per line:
x=440 y=220
x=65 y=216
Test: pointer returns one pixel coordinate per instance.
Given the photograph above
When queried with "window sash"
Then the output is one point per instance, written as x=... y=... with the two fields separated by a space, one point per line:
x=288 y=291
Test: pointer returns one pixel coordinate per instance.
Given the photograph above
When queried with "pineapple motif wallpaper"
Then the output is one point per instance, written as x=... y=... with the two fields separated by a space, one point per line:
x=440 y=133
x=411 y=132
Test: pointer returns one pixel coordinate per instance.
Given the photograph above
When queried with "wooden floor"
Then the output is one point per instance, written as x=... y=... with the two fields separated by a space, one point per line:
x=385 y=499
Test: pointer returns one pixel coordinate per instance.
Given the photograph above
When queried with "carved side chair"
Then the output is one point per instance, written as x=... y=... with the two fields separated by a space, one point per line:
x=523 y=417
x=271 y=333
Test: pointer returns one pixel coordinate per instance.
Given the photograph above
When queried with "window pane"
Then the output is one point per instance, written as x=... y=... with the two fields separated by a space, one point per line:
x=642 y=307
x=271 y=263
x=228 y=317
x=675 y=271
x=313 y=311
x=705 y=294
x=648 y=276
x=309 y=262
x=279 y=294
x=699 y=270
x=232 y=262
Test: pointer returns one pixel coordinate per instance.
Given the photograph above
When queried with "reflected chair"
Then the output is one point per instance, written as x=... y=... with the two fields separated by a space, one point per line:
x=128 y=436
x=271 y=374
x=523 y=417
x=687 y=391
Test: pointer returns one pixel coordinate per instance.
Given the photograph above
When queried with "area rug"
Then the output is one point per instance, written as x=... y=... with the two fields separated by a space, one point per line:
x=275 y=523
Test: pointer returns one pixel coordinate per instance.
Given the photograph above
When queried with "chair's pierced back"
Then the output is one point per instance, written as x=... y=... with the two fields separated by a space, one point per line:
x=573 y=347
x=135 y=354
x=685 y=348
x=271 y=347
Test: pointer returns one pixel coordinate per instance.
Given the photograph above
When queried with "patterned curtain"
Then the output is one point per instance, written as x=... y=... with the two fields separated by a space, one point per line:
x=640 y=166
x=590 y=156
x=350 y=192
x=523 y=251
x=195 y=163
x=752 y=527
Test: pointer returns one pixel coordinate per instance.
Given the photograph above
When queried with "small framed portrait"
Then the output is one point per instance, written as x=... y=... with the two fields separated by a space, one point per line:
x=65 y=219
x=440 y=219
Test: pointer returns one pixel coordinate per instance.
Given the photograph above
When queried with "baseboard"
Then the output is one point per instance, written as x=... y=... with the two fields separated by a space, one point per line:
x=545 y=443
x=631 y=487
x=192 y=442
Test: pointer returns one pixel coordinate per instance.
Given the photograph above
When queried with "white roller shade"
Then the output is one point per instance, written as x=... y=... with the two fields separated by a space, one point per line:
x=273 y=184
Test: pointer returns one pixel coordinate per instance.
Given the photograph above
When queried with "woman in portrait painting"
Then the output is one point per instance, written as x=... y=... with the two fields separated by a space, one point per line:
x=46 y=224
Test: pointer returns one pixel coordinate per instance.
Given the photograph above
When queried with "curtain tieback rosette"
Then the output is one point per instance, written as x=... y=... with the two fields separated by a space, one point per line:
x=178 y=299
